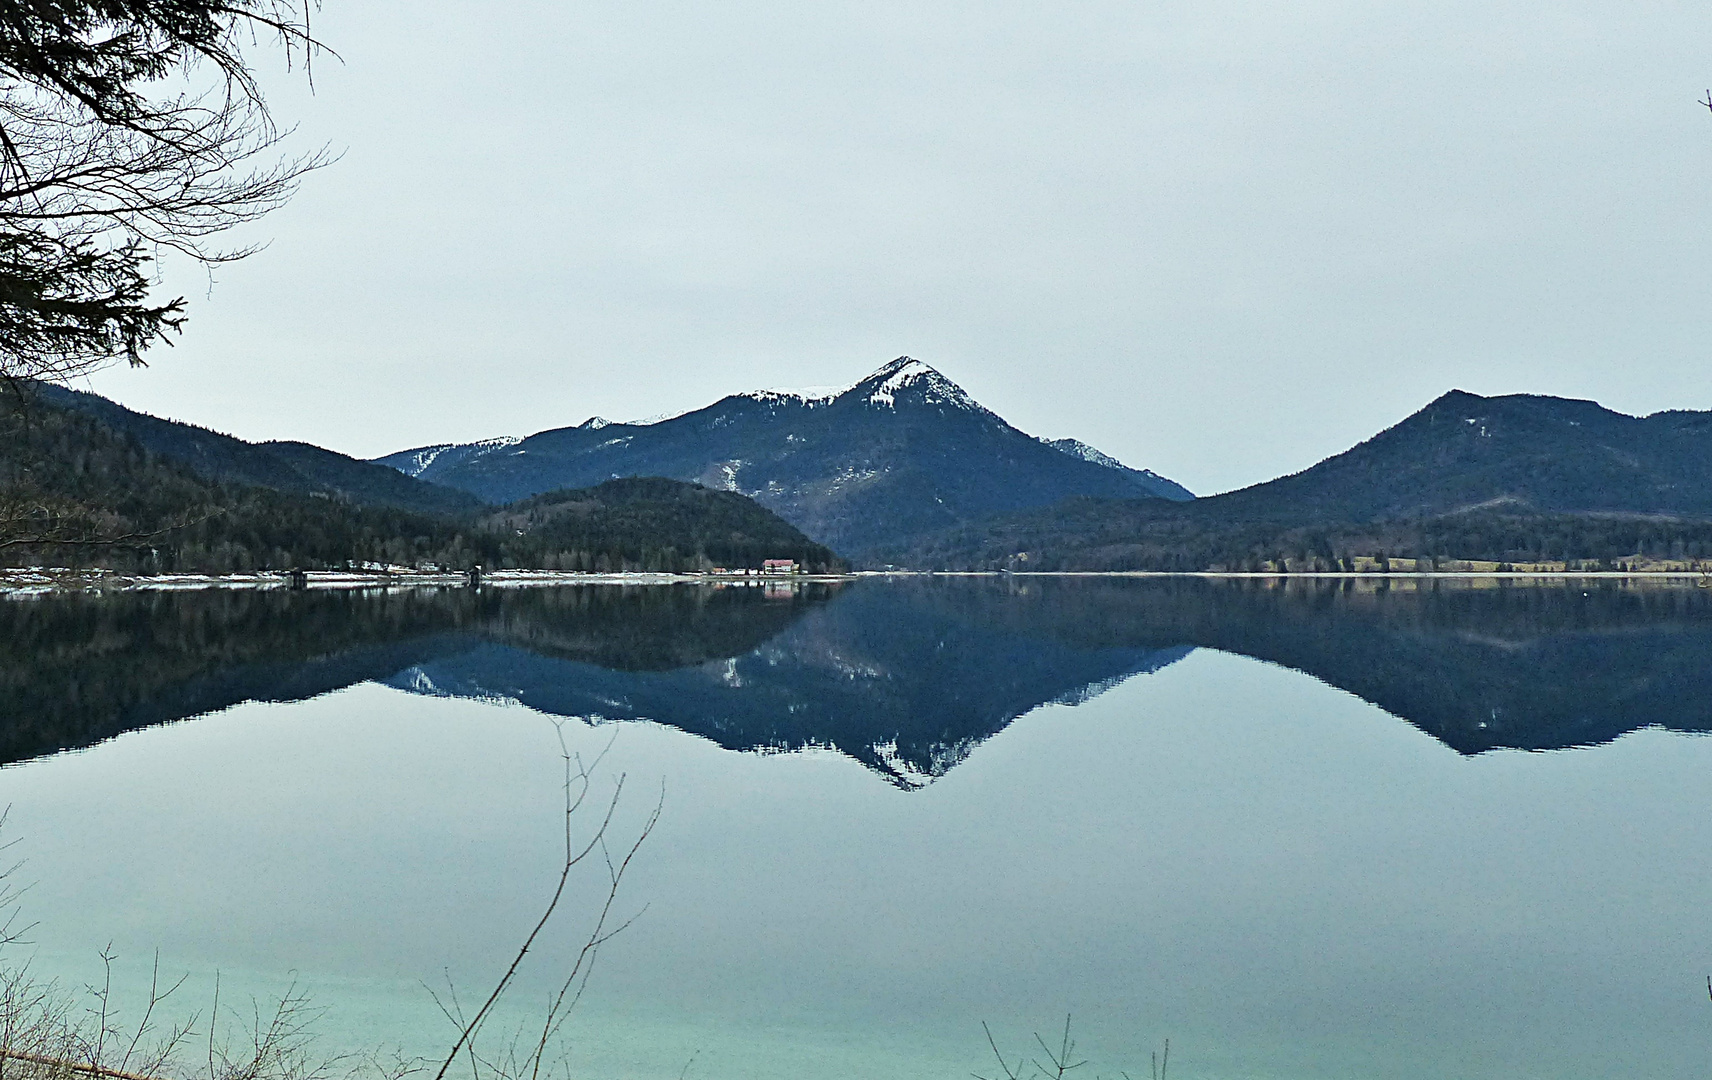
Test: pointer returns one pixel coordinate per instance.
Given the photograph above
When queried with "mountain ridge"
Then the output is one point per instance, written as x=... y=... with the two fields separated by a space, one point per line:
x=905 y=468
x=1518 y=477
x=289 y=466
x=903 y=451
x=1546 y=453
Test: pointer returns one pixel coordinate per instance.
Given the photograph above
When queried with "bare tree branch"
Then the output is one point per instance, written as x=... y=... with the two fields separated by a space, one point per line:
x=578 y=780
x=101 y=166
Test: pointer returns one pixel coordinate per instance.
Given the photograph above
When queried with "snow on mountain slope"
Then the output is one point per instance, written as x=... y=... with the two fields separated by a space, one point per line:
x=423 y=458
x=803 y=395
x=900 y=452
x=926 y=386
x=1076 y=448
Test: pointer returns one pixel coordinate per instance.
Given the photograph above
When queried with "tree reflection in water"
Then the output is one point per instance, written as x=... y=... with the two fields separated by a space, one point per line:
x=906 y=675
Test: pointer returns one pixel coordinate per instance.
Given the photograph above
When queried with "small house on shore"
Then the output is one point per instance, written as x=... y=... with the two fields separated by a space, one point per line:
x=779 y=566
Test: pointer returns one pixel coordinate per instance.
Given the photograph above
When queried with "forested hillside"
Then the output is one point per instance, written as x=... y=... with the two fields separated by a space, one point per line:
x=1515 y=479
x=75 y=491
x=664 y=522
x=1519 y=452
x=283 y=466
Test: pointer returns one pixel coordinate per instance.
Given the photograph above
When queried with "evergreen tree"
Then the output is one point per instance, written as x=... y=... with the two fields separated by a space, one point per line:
x=126 y=126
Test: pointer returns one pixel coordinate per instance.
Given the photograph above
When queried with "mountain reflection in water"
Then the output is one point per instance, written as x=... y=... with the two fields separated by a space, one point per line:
x=907 y=676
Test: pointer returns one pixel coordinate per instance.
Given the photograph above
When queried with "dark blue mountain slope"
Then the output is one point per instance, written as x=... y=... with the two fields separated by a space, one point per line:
x=904 y=451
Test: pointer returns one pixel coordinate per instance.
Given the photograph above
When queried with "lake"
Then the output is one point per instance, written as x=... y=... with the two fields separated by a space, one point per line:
x=1315 y=828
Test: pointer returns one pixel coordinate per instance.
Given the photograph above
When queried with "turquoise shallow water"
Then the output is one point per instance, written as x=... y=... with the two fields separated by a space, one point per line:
x=1286 y=881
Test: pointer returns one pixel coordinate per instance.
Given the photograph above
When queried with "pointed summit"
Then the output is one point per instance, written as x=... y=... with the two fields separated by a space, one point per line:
x=913 y=383
x=902 y=452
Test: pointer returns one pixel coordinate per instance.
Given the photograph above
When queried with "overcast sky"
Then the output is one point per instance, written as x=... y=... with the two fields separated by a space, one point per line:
x=1219 y=240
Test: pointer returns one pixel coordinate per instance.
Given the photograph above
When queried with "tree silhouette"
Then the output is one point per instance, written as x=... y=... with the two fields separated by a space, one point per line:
x=127 y=126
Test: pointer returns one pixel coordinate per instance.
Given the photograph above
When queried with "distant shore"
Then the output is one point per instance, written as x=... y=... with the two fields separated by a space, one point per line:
x=1357 y=575
x=34 y=581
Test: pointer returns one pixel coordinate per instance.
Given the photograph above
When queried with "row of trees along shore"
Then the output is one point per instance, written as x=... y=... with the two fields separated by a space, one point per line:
x=1087 y=535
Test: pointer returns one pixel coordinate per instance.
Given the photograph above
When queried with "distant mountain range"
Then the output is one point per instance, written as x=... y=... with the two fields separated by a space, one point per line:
x=1516 y=477
x=905 y=469
x=903 y=452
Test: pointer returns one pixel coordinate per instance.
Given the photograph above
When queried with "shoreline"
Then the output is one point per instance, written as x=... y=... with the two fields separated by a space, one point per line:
x=40 y=581
x=1358 y=575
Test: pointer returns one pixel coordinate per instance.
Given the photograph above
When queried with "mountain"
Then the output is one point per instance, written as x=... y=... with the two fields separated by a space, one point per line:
x=73 y=488
x=1514 y=478
x=904 y=451
x=283 y=466
x=73 y=485
x=1465 y=452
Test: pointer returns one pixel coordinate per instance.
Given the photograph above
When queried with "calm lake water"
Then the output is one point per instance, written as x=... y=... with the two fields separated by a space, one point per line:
x=1334 y=829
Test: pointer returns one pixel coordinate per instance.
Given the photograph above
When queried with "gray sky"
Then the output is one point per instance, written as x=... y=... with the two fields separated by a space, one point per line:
x=1219 y=240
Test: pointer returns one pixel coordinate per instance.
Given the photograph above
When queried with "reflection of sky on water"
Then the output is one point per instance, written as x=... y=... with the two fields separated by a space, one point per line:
x=1283 y=879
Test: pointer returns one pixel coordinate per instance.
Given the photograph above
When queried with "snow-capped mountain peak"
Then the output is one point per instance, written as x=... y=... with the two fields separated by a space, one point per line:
x=903 y=449
x=921 y=382
x=907 y=377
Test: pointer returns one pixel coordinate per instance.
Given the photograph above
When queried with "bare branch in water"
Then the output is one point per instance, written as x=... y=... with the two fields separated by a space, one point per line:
x=578 y=781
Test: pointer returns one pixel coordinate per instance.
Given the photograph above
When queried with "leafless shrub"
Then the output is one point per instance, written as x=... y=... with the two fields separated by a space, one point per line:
x=32 y=519
x=526 y=1053
x=48 y=1032
x=1060 y=1062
